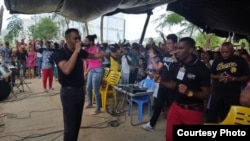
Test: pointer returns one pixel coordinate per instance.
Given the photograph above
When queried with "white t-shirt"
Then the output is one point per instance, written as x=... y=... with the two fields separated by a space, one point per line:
x=124 y=64
x=39 y=55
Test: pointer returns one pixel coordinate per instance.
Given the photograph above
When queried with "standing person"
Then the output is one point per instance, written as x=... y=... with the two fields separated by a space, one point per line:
x=229 y=74
x=134 y=55
x=62 y=43
x=115 y=60
x=125 y=61
x=31 y=61
x=39 y=49
x=153 y=61
x=142 y=66
x=7 y=53
x=70 y=73
x=21 y=55
x=190 y=79
x=164 y=94
x=95 y=72
x=56 y=47
x=47 y=66
x=106 y=61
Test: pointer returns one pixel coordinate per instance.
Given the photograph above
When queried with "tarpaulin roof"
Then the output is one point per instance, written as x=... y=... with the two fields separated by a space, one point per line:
x=217 y=16
x=82 y=10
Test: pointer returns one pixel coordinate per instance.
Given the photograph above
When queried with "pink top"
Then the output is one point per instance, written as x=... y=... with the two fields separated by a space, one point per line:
x=94 y=63
x=31 y=60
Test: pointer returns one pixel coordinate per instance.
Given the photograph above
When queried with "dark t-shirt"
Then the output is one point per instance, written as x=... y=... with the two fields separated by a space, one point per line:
x=21 y=55
x=196 y=75
x=75 y=78
x=235 y=66
x=167 y=61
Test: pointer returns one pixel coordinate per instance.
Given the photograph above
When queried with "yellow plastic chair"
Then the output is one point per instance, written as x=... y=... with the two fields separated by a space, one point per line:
x=104 y=81
x=112 y=80
x=105 y=74
x=237 y=115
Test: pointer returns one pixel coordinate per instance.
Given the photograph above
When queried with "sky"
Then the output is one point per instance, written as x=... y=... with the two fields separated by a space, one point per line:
x=134 y=23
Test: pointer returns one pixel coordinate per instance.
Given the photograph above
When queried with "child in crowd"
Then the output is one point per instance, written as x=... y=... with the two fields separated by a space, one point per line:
x=141 y=74
x=153 y=64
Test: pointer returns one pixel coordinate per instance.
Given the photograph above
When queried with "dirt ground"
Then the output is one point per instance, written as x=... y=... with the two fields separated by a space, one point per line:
x=37 y=116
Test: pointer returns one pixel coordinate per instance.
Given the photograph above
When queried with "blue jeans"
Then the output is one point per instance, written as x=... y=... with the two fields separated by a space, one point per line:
x=39 y=66
x=21 y=67
x=56 y=71
x=94 y=82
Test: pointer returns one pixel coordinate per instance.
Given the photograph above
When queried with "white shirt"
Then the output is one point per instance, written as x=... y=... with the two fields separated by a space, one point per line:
x=124 y=64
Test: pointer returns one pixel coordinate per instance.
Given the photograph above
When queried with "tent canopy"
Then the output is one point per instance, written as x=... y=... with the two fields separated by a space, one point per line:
x=222 y=17
x=82 y=10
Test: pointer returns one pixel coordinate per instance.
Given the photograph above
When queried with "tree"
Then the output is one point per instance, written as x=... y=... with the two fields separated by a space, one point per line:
x=62 y=22
x=209 y=40
x=8 y=37
x=45 y=30
x=32 y=31
x=15 y=27
x=171 y=19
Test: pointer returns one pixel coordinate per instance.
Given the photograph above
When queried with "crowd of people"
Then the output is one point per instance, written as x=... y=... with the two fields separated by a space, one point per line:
x=192 y=82
x=31 y=60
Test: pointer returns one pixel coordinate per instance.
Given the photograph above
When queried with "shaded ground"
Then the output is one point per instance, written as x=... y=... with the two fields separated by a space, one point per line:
x=37 y=116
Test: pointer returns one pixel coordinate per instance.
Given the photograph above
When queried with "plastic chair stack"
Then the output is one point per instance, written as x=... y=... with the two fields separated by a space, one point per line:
x=237 y=115
x=104 y=81
x=113 y=79
x=105 y=74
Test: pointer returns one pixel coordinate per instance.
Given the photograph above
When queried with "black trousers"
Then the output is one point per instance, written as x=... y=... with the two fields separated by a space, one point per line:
x=164 y=95
x=220 y=105
x=132 y=76
x=72 y=99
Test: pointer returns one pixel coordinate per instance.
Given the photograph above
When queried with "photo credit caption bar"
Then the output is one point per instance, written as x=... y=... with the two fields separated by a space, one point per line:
x=211 y=132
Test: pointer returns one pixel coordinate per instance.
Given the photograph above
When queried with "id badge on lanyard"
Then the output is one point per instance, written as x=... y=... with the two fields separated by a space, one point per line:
x=181 y=73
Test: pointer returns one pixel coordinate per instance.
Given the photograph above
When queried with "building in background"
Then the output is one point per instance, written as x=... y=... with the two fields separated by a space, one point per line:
x=113 y=26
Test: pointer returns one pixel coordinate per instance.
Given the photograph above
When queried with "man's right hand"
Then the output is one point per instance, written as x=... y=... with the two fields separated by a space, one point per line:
x=78 y=47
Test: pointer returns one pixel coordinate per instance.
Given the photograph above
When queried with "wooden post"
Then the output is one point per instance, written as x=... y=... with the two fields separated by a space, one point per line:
x=145 y=27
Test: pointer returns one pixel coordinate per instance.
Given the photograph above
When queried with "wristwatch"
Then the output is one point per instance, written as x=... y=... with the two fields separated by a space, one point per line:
x=190 y=94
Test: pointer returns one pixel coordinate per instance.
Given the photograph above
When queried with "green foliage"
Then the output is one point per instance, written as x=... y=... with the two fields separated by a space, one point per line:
x=208 y=41
x=32 y=31
x=9 y=37
x=200 y=40
x=167 y=20
x=15 y=27
x=174 y=19
x=46 y=29
x=244 y=41
x=216 y=42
